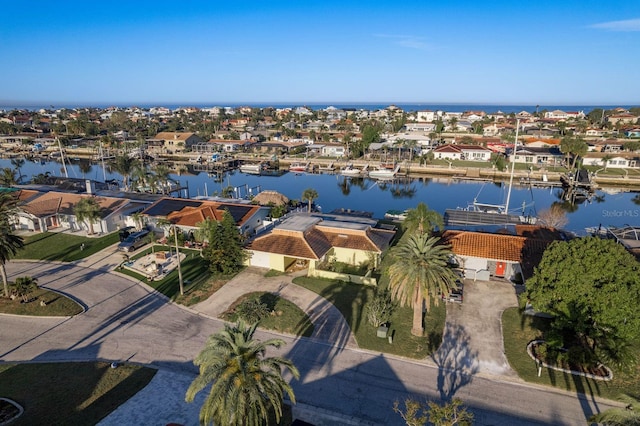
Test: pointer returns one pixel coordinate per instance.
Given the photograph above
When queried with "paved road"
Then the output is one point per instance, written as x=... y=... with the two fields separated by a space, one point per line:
x=126 y=321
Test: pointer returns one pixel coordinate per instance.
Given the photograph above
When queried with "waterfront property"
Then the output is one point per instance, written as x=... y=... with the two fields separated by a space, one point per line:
x=484 y=256
x=309 y=239
x=186 y=214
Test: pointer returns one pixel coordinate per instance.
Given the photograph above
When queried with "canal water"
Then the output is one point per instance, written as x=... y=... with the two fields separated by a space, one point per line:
x=610 y=208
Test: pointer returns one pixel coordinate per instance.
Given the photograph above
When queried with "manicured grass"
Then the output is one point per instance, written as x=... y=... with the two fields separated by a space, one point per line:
x=351 y=300
x=63 y=246
x=70 y=393
x=286 y=317
x=195 y=276
x=57 y=305
x=519 y=330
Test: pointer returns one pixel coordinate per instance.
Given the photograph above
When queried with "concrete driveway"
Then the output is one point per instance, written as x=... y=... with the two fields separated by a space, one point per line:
x=472 y=339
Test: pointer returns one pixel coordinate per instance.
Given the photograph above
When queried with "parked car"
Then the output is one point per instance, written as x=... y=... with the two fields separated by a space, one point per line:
x=134 y=241
x=455 y=295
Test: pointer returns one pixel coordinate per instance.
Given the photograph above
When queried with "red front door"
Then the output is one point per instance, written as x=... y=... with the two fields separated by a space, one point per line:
x=500 y=267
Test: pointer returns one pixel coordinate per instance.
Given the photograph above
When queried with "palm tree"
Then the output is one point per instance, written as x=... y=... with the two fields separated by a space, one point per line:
x=9 y=242
x=422 y=219
x=88 y=209
x=24 y=286
x=138 y=219
x=623 y=416
x=125 y=165
x=8 y=177
x=420 y=274
x=309 y=195
x=17 y=164
x=246 y=387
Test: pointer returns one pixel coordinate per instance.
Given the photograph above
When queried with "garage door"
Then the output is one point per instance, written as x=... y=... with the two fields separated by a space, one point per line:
x=261 y=259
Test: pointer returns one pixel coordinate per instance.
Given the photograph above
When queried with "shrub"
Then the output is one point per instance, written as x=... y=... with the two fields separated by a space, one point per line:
x=252 y=310
x=380 y=309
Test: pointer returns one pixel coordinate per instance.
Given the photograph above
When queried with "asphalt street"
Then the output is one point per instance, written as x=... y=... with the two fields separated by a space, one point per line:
x=127 y=321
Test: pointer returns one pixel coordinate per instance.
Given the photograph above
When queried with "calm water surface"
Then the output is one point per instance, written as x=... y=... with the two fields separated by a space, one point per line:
x=336 y=191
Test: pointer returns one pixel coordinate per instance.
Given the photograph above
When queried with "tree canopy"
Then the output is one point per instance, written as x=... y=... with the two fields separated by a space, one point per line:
x=224 y=250
x=591 y=287
x=9 y=242
x=246 y=387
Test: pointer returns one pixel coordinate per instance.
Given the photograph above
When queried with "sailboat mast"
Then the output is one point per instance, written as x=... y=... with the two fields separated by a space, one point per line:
x=513 y=166
x=64 y=166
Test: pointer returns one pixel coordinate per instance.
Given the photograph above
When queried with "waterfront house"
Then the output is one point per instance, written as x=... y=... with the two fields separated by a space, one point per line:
x=172 y=142
x=462 y=152
x=333 y=150
x=539 y=156
x=312 y=239
x=483 y=256
x=619 y=160
x=39 y=211
x=187 y=214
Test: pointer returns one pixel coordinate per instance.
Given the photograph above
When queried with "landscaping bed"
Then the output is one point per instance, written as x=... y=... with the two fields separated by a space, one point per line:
x=283 y=315
x=519 y=330
x=56 y=304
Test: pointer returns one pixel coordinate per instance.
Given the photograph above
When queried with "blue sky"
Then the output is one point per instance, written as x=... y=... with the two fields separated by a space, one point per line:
x=542 y=52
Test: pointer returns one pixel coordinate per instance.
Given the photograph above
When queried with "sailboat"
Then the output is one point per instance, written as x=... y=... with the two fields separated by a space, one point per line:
x=489 y=214
x=384 y=173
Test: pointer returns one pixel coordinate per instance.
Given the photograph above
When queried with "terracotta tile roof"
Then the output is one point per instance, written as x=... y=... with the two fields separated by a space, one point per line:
x=316 y=241
x=187 y=212
x=292 y=243
x=494 y=246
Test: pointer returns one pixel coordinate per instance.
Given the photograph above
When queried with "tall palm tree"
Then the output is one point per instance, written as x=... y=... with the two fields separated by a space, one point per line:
x=17 y=164
x=309 y=195
x=624 y=416
x=422 y=219
x=246 y=387
x=125 y=165
x=419 y=275
x=88 y=209
x=9 y=242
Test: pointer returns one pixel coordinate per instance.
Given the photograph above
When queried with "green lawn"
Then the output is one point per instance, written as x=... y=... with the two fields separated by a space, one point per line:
x=63 y=246
x=195 y=274
x=351 y=300
x=286 y=317
x=519 y=330
x=70 y=393
x=56 y=305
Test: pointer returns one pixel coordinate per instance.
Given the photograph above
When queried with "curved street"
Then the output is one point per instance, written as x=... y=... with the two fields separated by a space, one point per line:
x=339 y=384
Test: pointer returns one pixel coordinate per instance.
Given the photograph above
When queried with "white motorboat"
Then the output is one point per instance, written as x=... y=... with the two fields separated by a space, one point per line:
x=383 y=173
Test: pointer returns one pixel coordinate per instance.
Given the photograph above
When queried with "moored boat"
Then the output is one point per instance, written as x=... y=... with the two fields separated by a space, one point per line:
x=298 y=167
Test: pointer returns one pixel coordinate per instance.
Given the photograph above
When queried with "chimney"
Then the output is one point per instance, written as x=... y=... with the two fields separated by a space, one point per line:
x=91 y=186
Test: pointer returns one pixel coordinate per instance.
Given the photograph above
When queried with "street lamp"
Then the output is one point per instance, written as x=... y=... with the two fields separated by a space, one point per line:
x=175 y=235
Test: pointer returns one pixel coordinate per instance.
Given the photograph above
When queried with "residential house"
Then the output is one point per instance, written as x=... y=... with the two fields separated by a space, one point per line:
x=186 y=214
x=43 y=211
x=538 y=156
x=622 y=119
x=485 y=255
x=333 y=150
x=420 y=126
x=172 y=142
x=607 y=145
x=312 y=239
x=462 y=152
x=224 y=145
x=619 y=160
x=426 y=115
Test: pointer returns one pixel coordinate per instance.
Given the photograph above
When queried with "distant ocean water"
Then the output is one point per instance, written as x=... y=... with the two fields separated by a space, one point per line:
x=449 y=107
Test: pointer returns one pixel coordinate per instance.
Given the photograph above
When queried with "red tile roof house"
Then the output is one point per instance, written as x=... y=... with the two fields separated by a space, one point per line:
x=313 y=239
x=512 y=257
x=186 y=214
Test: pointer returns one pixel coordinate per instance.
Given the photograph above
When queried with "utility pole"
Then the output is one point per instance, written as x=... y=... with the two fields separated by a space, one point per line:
x=175 y=234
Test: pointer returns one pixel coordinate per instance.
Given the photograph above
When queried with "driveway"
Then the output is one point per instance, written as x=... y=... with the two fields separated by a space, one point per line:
x=472 y=339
